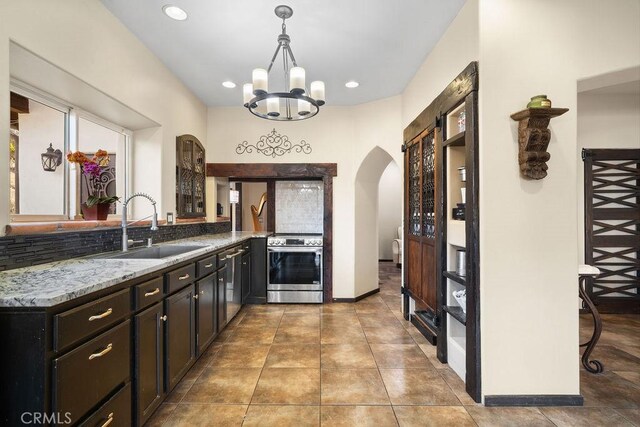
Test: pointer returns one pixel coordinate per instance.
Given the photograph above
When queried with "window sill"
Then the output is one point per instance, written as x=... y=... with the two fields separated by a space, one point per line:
x=25 y=228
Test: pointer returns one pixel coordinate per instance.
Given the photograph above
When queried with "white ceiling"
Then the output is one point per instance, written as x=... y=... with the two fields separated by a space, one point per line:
x=379 y=43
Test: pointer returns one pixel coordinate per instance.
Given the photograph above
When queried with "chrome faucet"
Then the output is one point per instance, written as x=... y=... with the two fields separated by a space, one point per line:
x=154 y=221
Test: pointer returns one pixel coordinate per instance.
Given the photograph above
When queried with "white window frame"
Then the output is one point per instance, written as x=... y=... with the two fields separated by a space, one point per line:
x=71 y=203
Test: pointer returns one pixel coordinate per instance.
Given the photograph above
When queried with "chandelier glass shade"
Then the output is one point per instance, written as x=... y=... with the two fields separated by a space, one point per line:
x=294 y=102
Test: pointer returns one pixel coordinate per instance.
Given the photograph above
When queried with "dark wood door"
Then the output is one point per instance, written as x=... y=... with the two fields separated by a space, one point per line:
x=246 y=277
x=180 y=338
x=149 y=361
x=421 y=193
x=221 y=279
x=206 y=309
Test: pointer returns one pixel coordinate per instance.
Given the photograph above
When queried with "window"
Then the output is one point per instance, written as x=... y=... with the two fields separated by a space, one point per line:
x=35 y=126
x=40 y=122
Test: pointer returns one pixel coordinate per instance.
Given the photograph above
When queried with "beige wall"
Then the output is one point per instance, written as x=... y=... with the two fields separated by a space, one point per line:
x=609 y=120
x=83 y=38
x=390 y=194
x=342 y=135
x=528 y=229
x=455 y=50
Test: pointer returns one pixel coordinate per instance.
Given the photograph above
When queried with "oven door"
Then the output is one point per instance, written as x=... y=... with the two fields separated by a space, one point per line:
x=294 y=269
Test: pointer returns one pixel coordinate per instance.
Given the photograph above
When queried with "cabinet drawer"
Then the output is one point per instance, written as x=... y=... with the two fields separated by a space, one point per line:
x=85 y=376
x=246 y=246
x=116 y=412
x=179 y=278
x=148 y=293
x=81 y=322
x=207 y=265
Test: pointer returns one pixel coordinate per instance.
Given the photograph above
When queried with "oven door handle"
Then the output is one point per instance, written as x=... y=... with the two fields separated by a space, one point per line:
x=315 y=249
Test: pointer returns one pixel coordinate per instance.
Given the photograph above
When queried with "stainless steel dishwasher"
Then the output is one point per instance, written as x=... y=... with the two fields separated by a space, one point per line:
x=233 y=283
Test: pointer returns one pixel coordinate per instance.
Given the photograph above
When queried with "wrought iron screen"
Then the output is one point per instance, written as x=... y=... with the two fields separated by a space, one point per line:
x=428 y=187
x=612 y=226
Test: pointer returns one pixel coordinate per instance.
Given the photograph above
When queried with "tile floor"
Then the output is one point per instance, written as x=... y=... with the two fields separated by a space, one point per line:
x=362 y=364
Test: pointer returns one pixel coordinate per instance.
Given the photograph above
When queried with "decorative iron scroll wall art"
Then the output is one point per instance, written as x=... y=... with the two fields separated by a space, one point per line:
x=274 y=145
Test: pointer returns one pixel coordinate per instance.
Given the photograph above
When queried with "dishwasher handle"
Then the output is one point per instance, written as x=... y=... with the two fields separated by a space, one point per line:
x=240 y=252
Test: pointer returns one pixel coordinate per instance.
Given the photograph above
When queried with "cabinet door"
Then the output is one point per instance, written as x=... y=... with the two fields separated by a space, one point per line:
x=245 y=272
x=222 y=299
x=180 y=337
x=206 y=303
x=149 y=361
x=258 y=279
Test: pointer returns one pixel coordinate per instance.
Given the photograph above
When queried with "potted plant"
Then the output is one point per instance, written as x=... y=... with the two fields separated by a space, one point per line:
x=96 y=207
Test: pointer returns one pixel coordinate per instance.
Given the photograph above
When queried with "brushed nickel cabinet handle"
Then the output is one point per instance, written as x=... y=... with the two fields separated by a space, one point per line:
x=101 y=353
x=221 y=279
x=195 y=296
x=208 y=265
x=164 y=318
x=153 y=292
x=186 y=276
x=101 y=315
x=109 y=420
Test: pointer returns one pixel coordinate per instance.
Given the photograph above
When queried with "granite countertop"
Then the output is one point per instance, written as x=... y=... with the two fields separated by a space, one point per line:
x=50 y=284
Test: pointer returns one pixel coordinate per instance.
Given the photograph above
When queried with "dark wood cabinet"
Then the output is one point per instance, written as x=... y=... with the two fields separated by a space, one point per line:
x=115 y=412
x=113 y=356
x=221 y=279
x=180 y=335
x=88 y=374
x=149 y=361
x=245 y=273
x=190 y=177
x=206 y=291
x=257 y=293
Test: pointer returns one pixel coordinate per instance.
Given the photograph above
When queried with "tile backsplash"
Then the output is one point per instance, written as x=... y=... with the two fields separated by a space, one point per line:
x=27 y=250
x=299 y=207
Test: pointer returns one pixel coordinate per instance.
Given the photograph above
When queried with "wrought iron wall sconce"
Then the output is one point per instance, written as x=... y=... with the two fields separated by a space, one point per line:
x=51 y=159
x=533 y=139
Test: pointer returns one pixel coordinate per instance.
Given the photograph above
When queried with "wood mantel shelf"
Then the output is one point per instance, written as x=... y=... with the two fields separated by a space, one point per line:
x=533 y=139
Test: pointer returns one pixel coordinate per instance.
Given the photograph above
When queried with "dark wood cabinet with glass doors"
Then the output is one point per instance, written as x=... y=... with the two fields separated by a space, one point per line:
x=190 y=177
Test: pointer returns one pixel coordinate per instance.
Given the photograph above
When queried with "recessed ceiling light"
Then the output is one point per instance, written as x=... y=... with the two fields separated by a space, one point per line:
x=229 y=84
x=174 y=12
x=352 y=84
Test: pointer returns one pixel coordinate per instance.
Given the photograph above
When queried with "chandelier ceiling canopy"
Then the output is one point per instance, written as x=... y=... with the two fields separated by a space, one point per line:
x=294 y=102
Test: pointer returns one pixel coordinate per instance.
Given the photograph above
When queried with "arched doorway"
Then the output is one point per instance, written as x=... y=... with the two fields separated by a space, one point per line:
x=366 y=219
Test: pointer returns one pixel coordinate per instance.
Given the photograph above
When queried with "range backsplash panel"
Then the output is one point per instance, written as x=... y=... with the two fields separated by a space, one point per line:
x=299 y=207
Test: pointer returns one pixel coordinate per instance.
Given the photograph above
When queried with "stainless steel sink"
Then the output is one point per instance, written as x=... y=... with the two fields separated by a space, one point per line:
x=154 y=252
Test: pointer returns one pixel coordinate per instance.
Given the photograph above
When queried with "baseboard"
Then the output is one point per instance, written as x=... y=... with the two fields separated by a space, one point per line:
x=358 y=298
x=535 y=400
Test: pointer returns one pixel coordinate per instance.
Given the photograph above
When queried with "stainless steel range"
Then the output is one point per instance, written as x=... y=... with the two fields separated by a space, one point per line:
x=295 y=268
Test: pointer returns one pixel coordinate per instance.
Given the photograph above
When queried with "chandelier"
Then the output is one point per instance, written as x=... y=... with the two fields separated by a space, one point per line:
x=295 y=102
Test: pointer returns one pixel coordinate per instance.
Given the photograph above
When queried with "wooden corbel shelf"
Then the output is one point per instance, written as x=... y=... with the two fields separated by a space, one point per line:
x=533 y=139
